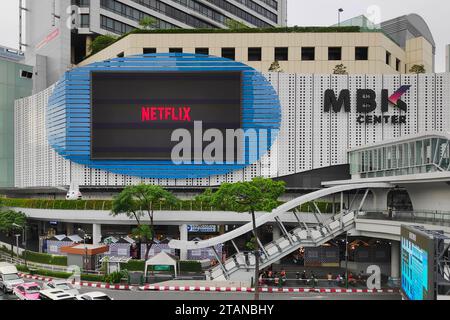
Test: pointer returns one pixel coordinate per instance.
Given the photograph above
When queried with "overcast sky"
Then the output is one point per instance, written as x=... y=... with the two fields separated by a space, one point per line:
x=308 y=12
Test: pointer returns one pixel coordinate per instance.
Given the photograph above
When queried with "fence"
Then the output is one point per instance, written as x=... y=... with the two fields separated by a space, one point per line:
x=181 y=205
x=422 y=216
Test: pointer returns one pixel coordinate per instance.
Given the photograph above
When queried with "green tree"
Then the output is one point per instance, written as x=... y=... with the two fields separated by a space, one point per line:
x=275 y=67
x=206 y=198
x=12 y=222
x=147 y=23
x=340 y=69
x=139 y=201
x=417 y=69
x=260 y=194
x=101 y=42
x=235 y=25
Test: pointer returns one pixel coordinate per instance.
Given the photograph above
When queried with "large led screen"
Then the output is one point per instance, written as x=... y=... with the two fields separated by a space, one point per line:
x=417 y=272
x=134 y=114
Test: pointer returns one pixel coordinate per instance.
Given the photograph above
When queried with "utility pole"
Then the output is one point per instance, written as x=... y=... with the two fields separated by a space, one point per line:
x=346 y=259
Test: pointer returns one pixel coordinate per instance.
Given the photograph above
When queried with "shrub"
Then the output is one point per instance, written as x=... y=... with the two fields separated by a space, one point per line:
x=22 y=268
x=134 y=265
x=50 y=273
x=101 y=42
x=190 y=266
x=115 y=277
x=45 y=258
x=92 y=277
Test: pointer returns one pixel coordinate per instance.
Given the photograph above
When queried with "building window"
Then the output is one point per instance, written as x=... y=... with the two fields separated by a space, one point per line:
x=281 y=54
x=229 y=53
x=26 y=74
x=254 y=54
x=121 y=55
x=175 y=50
x=398 y=64
x=308 y=53
x=362 y=53
x=115 y=26
x=149 y=50
x=388 y=58
x=84 y=21
x=334 y=53
x=204 y=51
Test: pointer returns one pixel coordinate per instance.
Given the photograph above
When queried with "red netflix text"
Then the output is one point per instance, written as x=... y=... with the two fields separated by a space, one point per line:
x=158 y=113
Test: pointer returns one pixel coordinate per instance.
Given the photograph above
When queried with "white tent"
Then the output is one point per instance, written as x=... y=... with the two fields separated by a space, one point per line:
x=162 y=259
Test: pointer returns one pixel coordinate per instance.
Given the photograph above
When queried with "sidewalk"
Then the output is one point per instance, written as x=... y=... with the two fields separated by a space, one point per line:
x=263 y=289
x=81 y=283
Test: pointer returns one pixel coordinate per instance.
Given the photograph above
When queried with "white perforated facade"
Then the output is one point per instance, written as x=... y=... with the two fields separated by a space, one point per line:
x=309 y=137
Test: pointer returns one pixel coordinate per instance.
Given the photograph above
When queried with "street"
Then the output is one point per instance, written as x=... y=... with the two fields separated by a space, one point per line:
x=167 y=295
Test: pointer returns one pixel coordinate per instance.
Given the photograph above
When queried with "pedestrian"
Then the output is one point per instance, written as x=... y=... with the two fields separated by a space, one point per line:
x=304 y=277
x=329 y=278
x=261 y=279
x=313 y=280
x=339 y=280
x=270 y=277
x=277 y=280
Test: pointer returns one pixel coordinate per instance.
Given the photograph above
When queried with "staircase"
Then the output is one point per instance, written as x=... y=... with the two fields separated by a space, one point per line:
x=238 y=267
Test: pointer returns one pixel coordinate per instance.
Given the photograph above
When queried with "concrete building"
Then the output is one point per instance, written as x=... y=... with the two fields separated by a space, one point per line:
x=447 y=58
x=59 y=32
x=298 y=50
x=15 y=83
x=310 y=137
x=412 y=33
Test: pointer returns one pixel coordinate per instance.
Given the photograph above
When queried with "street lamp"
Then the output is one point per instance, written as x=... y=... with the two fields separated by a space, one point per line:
x=340 y=10
x=24 y=241
x=84 y=236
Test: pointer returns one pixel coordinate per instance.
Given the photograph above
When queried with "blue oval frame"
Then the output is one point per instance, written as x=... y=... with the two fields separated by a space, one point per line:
x=68 y=113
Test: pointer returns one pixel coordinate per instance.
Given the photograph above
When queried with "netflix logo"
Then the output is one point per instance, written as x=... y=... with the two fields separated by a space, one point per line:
x=166 y=114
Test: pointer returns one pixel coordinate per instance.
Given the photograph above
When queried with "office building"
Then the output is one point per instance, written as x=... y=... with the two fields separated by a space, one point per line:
x=59 y=32
x=15 y=83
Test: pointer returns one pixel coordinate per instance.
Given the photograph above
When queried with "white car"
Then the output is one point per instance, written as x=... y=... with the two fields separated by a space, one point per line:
x=96 y=295
x=52 y=294
x=61 y=285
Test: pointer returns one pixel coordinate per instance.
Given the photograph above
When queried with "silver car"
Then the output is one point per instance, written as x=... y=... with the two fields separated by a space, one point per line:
x=96 y=295
x=62 y=284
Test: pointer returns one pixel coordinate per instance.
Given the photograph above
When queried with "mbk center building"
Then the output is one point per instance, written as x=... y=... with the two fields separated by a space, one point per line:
x=110 y=124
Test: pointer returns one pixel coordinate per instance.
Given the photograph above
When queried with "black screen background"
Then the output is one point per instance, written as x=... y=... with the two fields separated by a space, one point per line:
x=117 y=98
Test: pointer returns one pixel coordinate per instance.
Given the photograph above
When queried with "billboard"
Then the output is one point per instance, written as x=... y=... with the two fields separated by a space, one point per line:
x=134 y=113
x=417 y=264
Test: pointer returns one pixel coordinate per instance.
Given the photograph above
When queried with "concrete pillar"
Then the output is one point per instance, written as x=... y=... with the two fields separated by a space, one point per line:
x=183 y=237
x=96 y=233
x=395 y=259
x=69 y=229
x=379 y=200
x=276 y=234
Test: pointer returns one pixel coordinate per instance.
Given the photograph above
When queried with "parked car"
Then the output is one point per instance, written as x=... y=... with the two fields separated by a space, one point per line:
x=61 y=284
x=52 y=294
x=96 y=295
x=9 y=277
x=27 y=291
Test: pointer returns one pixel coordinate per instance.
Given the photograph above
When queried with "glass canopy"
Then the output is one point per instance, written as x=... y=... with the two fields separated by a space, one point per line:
x=421 y=155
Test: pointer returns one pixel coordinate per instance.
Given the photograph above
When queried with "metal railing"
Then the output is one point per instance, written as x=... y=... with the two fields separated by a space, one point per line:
x=35 y=265
x=246 y=260
x=421 y=216
x=106 y=205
